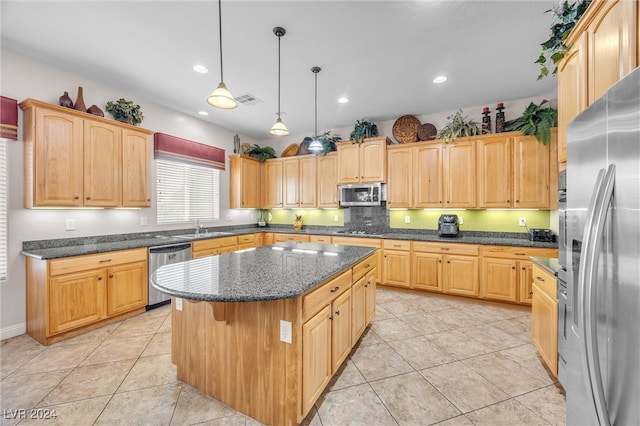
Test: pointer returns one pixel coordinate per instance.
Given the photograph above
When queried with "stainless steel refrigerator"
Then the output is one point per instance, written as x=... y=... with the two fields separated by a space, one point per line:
x=599 y=320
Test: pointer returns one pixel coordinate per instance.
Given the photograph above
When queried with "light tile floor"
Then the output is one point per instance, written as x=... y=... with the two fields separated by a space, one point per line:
x=424 y=360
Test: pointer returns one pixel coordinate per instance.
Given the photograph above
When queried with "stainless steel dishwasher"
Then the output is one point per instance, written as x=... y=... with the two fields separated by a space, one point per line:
x=160 y=256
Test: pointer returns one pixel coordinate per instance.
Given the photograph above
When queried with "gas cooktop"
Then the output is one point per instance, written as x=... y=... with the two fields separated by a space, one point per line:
x=357 y=232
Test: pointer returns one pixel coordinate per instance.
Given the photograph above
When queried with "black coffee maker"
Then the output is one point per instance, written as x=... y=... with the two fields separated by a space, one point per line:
x=448 y=226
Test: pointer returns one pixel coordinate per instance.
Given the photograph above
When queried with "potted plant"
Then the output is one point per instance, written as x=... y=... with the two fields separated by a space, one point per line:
x=536 y=120
x=458 y=126
x=125 y=111
x=363 y=129
x=262 y=153
x=565 y=17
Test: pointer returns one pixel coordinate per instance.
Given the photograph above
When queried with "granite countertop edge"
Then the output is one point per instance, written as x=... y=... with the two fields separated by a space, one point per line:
x=550 y=264
x=60 y=248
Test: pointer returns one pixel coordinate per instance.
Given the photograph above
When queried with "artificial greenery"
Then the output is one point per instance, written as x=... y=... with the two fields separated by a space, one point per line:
x=458 y=126
x=363 y=129
x=536 y=120
x=565 y=17
x=125 y=111
x=262 y=153
x=328 y=142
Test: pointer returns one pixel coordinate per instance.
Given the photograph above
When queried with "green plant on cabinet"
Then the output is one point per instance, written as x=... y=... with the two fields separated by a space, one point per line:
x=536 y=120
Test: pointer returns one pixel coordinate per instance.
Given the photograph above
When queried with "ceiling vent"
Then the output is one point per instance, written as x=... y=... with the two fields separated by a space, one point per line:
x=247 y=99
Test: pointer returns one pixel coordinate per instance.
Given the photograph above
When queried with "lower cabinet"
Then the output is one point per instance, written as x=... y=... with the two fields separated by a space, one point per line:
x=396 y=266
x=70 y=295
x=281 y=238
x=461 y=275
x=445 y=267
x=247 y=241
x=544 y=317
x=213 y=246
x=364 y=242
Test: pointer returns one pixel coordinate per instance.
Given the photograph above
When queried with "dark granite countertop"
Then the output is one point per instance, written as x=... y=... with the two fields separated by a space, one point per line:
x=279 y=271
x=551 y=264
x=66 y=247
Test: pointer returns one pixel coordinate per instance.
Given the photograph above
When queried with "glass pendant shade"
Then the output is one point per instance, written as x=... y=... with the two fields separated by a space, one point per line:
x=222 y=98
x=279 y=129
x=316 y=146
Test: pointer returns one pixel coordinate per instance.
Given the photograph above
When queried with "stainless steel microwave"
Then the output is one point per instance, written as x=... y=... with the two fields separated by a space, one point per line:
x=362 y=194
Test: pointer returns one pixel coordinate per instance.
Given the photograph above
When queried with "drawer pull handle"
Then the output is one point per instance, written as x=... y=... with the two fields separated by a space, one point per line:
x=76 y=198
x=540 y=279
x=105 y=260
x=99 y=278
x=531 y=293
x=367 y=265
x=333 y=290
x=519 y=254
x=513 y=267
x=397 y=245
x=111 y=276
x=338 y=312
x=444 y=248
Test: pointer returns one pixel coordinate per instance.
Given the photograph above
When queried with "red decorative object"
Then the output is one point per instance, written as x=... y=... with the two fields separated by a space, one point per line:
x=79 y=105
x=485 y=110
x=500 y=105
x=8 y=118
x=65 y=100
x=93 y=109
x=486 y=120
x=186 y=151
x=500 y=118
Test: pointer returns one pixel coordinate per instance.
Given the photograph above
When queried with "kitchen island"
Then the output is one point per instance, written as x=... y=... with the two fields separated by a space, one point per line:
x=264 y=330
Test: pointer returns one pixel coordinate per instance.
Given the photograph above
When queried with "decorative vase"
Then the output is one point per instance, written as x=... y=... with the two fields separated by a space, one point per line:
x=79 y=105
x=93 y=109
x=66 y=101
x=500 y=118
x=297 y=224
x=486 y=120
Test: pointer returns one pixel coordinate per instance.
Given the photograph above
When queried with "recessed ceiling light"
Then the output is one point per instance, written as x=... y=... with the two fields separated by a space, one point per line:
x=203 y=113
x=343 y=100
x=200 y=68
x=440 y=79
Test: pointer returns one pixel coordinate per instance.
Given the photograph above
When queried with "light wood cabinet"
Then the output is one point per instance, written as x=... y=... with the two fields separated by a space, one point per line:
x=327 y=181
x=213 y=246
x=363 y=298
x=290 y=182
x=461 y=275
x=495 y=176
x=364 y=242
x=370 y=294
x=272 y=188
x=396 y=266
x=363 y=163
x=298 y=182
x=316 y=357
x=531 y=177
x=400 y=177
x=282 y=238
x=340 y=330
x=426 y=270
x=308 y=178
x=74 y=159
x=69 y=296
x=460 y=174
x=244 y=182
x=544 y=317
x=324 y=239
x=247 y=241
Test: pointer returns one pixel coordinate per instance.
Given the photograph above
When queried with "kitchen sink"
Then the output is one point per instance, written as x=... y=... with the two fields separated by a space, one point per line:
x=201 y=235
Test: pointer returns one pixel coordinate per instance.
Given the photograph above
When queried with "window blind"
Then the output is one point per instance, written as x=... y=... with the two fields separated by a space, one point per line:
x=186 y=192
x=3 y=210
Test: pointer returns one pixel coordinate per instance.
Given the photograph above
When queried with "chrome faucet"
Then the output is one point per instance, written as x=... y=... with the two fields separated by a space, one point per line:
x=199 y=226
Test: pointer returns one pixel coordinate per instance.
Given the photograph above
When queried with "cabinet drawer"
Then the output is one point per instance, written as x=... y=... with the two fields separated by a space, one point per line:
x=246 y=239
x=94 y=261
x=545 y=281
x=324 y=239
x=396 y=244
x=321 y=296
x=361 y=269
x=355 y=241
x=214 y=243
x=281 y=238
x=446 y=248
x=519 y=253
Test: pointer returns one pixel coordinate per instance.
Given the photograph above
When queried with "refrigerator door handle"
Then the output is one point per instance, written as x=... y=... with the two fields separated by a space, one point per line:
x=593 y=232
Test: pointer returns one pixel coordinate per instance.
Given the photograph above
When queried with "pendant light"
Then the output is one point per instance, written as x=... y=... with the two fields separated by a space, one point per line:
x=316 y=146
x=278 y=128
x=221 y=97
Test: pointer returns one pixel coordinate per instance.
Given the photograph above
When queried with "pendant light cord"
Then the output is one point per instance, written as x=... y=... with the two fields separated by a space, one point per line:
x=316 y=106
x=279 y=75
x=220 y=38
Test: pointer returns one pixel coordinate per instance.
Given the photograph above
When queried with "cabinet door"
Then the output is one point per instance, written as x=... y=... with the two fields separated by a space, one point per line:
x=460 y=174
x=127 y=287
x=76 y=299
x=58 y=159
x=307 y=181
x=204 y=253
x=316 y=357
x=544 y=327
x=531 y=176
x=102 y=164
x=272 y=184
x=400 y=177
x=494 y=172
x=136 y=169
x=572 y=90
x=290 y=182
x=461 y=275
x=525 y=281
x=396 y=268
x=340 y=330
x=244 y=182
x=427 y=271
x=370 y=294
x=373 y=161
x=427 y=180
x=358 y=309
x=327 y=181
x=499 y=279
x=348 y=163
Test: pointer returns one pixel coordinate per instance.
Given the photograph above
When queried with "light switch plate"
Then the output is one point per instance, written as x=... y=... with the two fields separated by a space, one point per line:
x=460 y=220
x=336 y=218
x=144 y=220
x=407 y=219
x=70 y=225
x=178 y=303
x=285 y=331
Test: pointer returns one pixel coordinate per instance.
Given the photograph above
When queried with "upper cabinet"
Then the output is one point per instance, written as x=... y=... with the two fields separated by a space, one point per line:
x=244 y=182
x=272 y=184
x=605 y=47
x=460 y=174
x=327 y=186
x=495 y=178
x=74 y=159
x=363 y=163
x=299 y=182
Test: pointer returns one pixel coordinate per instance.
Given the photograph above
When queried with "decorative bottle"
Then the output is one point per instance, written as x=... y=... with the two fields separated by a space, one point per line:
x=500 y=118
x=66 y=101
x=486 y=120
x=297 y=224
x=79 y=105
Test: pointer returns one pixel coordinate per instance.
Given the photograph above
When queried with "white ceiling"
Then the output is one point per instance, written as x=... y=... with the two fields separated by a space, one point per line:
x=382 y=55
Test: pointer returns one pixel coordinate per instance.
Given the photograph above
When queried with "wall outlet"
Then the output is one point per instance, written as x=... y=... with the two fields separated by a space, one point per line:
x=407 y=219
x=70 y=225
x=336 y=218
x=178 y=303
x=285 y=331
x=522 y=221
x=460 y=220
x=144 y=220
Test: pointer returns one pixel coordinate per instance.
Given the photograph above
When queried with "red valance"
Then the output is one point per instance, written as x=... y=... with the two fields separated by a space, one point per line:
x=8 y=118
x=186 y=151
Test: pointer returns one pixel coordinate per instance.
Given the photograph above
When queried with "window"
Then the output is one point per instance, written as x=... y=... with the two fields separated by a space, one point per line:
x=3 y=210
x=186 y=192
